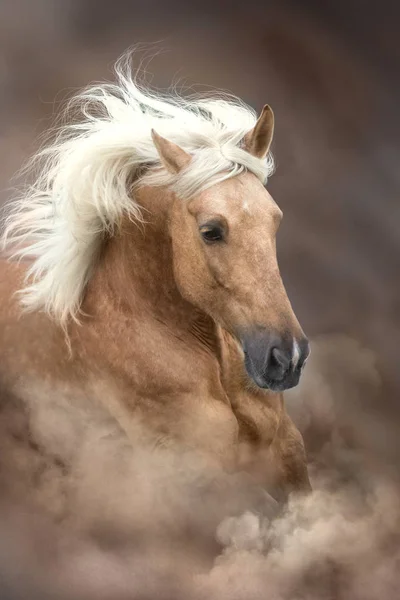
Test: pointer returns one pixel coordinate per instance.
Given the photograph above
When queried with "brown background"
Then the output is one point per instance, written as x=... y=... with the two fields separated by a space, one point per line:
x=330 y=71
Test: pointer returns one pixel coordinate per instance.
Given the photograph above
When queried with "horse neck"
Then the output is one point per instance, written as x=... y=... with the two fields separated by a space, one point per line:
x=135 y=276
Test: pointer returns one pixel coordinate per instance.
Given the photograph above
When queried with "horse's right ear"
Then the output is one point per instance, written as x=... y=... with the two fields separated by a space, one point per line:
x=173 y=157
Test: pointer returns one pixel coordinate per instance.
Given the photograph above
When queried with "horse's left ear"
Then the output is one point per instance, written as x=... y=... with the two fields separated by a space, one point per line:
x=258 y=140
x=173 y=157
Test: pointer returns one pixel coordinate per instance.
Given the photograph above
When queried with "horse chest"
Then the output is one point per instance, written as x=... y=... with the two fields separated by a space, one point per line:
x=167 y=392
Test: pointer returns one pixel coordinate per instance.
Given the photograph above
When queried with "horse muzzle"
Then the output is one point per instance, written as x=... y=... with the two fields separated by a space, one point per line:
x=273 y=361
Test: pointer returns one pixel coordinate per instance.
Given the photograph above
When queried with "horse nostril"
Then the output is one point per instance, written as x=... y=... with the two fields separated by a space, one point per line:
x=273 y=361
x=279 y=360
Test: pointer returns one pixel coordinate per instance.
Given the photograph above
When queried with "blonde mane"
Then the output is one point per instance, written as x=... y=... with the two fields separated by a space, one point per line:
x=89 y=173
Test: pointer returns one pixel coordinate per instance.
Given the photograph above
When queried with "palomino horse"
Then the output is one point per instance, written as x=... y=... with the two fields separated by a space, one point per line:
x=148 y=273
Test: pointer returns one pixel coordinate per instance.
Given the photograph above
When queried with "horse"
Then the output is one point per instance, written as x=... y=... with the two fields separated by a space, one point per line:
x=139 y=271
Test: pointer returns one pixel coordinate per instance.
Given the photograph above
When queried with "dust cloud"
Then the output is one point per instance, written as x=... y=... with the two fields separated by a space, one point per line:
x=158 y=523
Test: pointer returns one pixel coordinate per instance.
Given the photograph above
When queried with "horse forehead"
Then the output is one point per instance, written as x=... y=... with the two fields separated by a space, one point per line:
x=245 y=186
x=243 y=194
x=254 y=204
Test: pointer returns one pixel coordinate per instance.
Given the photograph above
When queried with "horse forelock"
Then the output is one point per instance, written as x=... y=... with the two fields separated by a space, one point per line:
x=89 y=172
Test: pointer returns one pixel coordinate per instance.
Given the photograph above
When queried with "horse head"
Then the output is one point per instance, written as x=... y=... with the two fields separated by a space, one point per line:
x=224 y=260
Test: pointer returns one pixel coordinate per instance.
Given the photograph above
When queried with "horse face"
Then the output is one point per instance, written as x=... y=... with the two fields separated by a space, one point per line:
x=224 y=257
x=225 y=263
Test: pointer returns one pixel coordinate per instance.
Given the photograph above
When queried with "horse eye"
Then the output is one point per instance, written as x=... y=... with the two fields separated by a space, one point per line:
x=212 y=232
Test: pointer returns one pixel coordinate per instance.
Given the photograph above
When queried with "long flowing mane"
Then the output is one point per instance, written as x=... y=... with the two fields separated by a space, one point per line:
x=88 y=174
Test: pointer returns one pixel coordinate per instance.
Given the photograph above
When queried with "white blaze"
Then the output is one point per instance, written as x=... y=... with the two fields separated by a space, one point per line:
x=296 y=354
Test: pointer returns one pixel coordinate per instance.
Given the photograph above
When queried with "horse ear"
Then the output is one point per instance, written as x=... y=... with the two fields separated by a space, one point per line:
x=258 y=140
x=173 y=157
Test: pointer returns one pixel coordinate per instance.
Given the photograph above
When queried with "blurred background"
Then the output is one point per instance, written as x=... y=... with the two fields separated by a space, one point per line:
x=330 y=70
